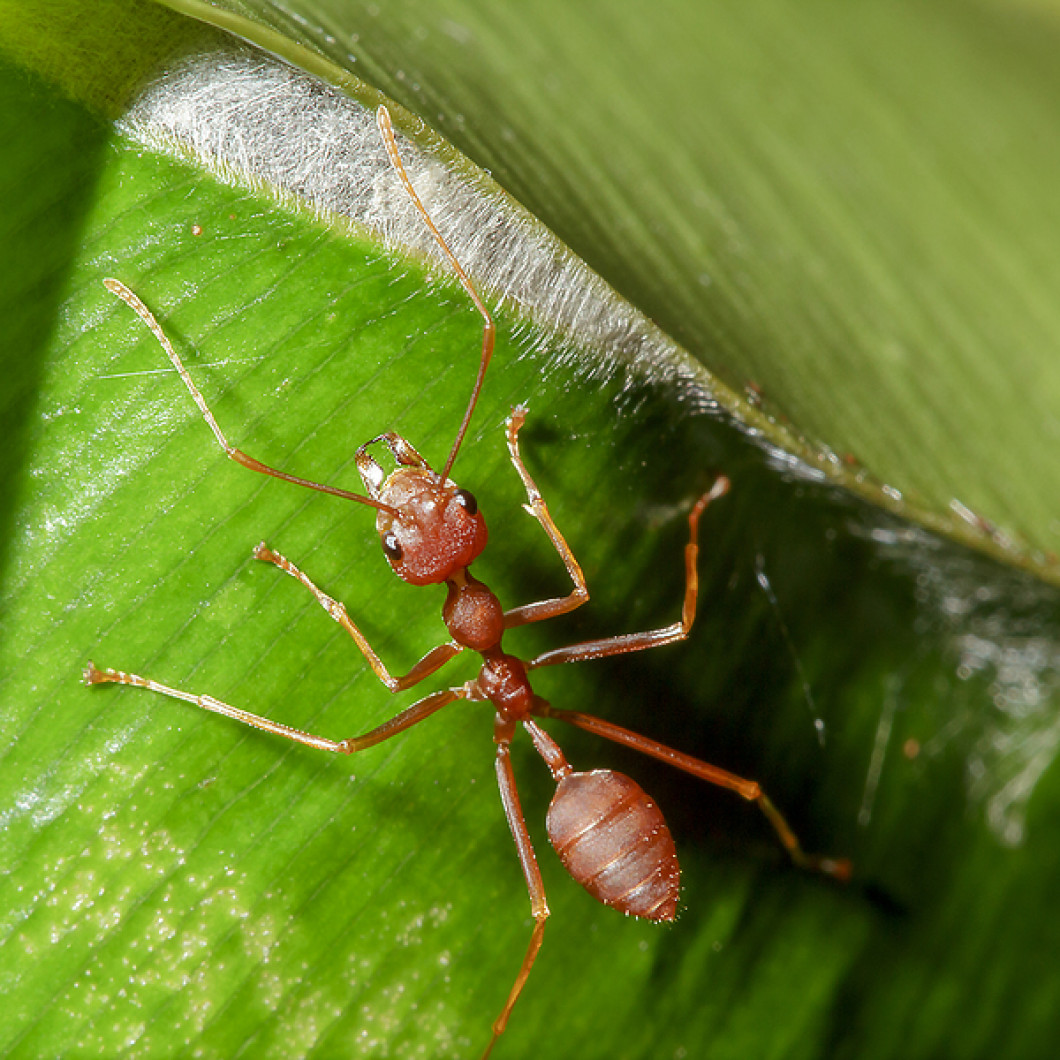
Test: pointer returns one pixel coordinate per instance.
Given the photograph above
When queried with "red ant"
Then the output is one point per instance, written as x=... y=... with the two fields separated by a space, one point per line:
x=608 y=833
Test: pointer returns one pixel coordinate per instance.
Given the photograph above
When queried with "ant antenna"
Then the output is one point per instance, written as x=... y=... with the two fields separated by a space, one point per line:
x=132 y=300
x=489 y=330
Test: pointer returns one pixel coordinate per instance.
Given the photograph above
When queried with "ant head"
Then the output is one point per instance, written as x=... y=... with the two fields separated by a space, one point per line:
x=430 y=527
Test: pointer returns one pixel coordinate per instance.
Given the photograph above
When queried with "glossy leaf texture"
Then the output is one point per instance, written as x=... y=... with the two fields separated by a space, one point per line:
x=173 y=882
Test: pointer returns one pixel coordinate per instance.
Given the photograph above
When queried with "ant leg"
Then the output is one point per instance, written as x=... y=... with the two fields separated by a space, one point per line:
x=133 y=301
x=748 y=789
x=433 y=660
x=534 y=884
x=520 y=616
x=424 y=708
x=654 y=638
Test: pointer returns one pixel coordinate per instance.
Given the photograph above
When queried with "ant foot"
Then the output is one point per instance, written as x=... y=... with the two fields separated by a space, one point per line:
x=263 y=552
x=91 y=675
x=516 y=418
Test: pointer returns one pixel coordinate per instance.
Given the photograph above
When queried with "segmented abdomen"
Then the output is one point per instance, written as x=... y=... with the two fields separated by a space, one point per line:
x=614 y=841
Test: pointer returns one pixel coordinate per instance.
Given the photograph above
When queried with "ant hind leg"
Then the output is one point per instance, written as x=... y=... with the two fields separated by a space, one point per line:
x=838 y=868
x=531 y=873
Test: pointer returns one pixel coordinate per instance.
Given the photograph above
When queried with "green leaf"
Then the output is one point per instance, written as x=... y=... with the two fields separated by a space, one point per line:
x=174 y=882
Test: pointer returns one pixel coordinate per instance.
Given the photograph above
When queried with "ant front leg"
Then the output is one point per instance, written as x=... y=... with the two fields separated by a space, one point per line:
x=653 y=638
x=536 y=612
x=433 y=660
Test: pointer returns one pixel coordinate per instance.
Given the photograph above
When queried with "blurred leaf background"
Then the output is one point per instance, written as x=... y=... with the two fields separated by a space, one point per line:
x=847 y=215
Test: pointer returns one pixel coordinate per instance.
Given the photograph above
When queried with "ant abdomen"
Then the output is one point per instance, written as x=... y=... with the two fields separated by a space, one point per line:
x=614 y=841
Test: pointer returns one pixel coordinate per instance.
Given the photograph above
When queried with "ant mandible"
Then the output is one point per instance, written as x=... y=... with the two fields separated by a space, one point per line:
x=608 y=833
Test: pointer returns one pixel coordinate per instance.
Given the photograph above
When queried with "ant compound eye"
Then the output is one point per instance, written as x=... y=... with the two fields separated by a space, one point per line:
x=467 y=500
x=392 y=547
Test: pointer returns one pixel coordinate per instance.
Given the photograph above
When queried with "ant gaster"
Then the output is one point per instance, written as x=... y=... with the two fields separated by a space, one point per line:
x=607 y=832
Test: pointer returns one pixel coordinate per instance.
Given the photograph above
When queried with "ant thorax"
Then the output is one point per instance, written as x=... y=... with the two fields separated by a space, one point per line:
x=472 y=613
